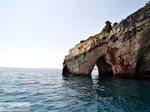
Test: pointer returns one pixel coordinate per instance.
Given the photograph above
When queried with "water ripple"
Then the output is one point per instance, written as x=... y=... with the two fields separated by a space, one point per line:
x=47 y=91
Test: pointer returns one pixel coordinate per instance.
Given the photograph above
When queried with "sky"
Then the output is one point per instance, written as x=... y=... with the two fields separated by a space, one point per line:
x=39 y=33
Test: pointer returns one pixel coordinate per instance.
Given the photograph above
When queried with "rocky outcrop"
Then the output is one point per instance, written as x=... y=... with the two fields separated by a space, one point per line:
x=125 y=51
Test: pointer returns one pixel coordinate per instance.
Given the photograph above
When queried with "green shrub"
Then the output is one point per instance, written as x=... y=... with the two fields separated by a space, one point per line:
x=107 y=27
x=82 y=41
x=81 y=48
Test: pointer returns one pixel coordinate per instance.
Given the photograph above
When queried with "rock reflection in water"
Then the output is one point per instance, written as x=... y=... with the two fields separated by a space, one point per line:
x=109 y=94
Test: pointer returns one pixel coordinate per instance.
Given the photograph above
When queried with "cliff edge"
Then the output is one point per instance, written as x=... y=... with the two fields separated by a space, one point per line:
x=122 y=51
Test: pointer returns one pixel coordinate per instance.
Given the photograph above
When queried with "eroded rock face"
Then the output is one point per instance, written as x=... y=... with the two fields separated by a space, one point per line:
x=125 y=52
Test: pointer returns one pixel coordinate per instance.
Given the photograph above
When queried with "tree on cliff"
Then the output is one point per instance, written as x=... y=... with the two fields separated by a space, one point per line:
x=107 y=27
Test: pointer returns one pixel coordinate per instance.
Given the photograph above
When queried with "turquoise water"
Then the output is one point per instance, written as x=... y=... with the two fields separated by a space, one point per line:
x=47 y=91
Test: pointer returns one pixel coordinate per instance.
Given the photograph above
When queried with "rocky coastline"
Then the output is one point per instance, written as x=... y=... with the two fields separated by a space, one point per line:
x=122 y=51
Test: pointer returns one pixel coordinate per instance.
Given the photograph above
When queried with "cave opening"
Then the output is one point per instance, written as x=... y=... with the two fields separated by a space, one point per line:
x=65 y=71
x=95 y=72
x=102 y=68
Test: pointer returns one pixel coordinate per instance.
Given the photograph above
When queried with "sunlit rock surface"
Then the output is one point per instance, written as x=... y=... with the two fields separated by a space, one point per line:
x=125 y=51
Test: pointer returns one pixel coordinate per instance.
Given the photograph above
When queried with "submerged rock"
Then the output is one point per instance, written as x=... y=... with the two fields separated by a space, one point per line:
x=125 y=51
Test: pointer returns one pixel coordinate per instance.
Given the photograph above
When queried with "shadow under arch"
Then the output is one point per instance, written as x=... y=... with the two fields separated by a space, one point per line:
x=104 y=68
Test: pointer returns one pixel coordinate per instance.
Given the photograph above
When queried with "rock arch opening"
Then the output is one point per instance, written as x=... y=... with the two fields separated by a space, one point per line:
x=103 y=67
x=94 y=72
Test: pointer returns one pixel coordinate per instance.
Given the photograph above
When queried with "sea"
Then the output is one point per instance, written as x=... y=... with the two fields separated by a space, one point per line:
x=46 y=90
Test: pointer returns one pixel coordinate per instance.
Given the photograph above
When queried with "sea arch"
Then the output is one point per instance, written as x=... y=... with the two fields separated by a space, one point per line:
x=83 y=64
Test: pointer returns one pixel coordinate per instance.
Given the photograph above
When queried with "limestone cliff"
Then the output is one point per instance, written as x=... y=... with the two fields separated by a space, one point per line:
x=124 y=51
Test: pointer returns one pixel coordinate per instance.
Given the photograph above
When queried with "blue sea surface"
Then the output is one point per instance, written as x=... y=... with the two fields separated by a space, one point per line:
x=47 y=91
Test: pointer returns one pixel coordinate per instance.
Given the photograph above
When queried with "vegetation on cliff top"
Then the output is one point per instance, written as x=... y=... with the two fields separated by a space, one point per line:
x=104 y=33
